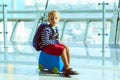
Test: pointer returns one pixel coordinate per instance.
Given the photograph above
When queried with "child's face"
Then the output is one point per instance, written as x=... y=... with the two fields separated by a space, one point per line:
x=53 y=19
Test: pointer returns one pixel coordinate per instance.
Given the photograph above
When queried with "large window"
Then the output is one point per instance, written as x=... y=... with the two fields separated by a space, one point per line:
x=76 y=25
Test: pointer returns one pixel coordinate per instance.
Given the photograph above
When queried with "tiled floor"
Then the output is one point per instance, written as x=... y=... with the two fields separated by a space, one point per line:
x=88 y=61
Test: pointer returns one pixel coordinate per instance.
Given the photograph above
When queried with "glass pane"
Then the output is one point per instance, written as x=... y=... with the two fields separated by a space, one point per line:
x=79 y=4
x=22 y=32
x=35 y=4
x=74 y=32
x=1 y=31
x=95 y=28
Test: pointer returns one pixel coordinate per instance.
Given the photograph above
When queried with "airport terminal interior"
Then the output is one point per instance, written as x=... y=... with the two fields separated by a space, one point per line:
x=91 y=28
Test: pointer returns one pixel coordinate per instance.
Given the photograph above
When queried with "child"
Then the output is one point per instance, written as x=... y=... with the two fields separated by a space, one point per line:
x=51 y=43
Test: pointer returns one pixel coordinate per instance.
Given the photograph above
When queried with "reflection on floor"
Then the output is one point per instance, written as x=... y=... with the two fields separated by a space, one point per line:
x=88 y=61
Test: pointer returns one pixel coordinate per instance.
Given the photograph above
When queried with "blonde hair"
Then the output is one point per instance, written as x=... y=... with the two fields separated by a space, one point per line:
x=54 y=12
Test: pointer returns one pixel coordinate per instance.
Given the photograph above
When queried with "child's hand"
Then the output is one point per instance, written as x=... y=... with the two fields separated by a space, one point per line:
x=59 y=41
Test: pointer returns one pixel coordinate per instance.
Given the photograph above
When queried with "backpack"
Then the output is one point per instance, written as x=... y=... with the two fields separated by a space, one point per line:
x=37 y=37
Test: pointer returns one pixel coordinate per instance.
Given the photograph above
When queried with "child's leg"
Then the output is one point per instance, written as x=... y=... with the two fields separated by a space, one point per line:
x=65 y=59
x=68 y=53
x=68 y=71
